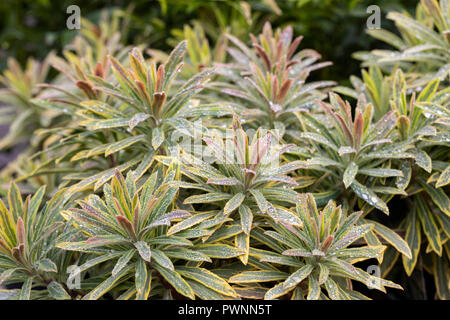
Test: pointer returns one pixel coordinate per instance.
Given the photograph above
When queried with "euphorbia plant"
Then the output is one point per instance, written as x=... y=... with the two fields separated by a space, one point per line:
x=246 y=179
x=423 y=47
x=269 y=78
x=127 y=231
x=28 y=235
x=132 y=122
x=316 y=256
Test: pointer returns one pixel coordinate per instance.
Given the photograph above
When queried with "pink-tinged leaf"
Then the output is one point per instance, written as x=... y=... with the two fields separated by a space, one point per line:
x=20 y=231
x=259 y=150
x=358 y=127
x=259 y=91
x=283 y=91
x=98 y=71
x=240 y=142
x=218 y=151
x=158 y=101
x=345 y=109
x=343 y=126
x=87 y=89
x=236 y=93
x=274 y=87
x=159 y=78
x=327 y=243
x=249 y=171
x=126 y=225
x=264 y=56
x=294 y=47
x=143 y=92
x=121 y=71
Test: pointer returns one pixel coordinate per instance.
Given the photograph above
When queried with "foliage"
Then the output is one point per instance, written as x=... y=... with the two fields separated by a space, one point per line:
x=128 y=231
x=319 y=253
x=19 y=87
x=28 y=237
x=423 y=46
x=422 y=122
x=270 y=78
x=221 y=168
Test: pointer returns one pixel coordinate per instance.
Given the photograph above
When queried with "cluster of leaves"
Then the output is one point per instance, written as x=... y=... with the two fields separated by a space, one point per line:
x=201 y=174
x=415 y=87
x=423 y=47
x=270 y=78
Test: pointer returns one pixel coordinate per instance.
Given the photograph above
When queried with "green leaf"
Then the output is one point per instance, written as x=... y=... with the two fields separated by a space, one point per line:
x=25 y=291
x=175 y=58
x=242 y=242
x=98 y=124
x=212 y=197
x=203 y=292
x=143 y=280
x=177 y=282
x=381 y=172
x=403 y=182
x=323 y=273
x=429 y=225
x=106 y=285
x=225 y=231
x=15 y=202
x=208 y=279
x=438 y=196
x=332 y=289
x=444 y=178
x=423 y=160
x=82 y=246
x=297 y=252
x=47 y=265
x=123 y=261
x=318 y=138
x=393 y=238
x=280 y=259
x=298 y=276
x=258 y=276
x=219 y=251
x=189 y=222
x=93 y=262
x=162 y=259
x=277 y=291
x=122 y=144
x=369 y=196
x=413 y=238
x=6 y=274
x=56 y=291
x=223 y=181
x=157 y=138
x=313 y=289
x=350 y=174
x=233 y=203
x=441 y=278
x=136 y=119
x=429 y=91
x=144 y=250
x=246 y=218
x=186 y=254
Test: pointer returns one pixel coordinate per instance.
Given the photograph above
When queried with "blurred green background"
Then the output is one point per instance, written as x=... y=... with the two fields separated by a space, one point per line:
x=335 y=28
